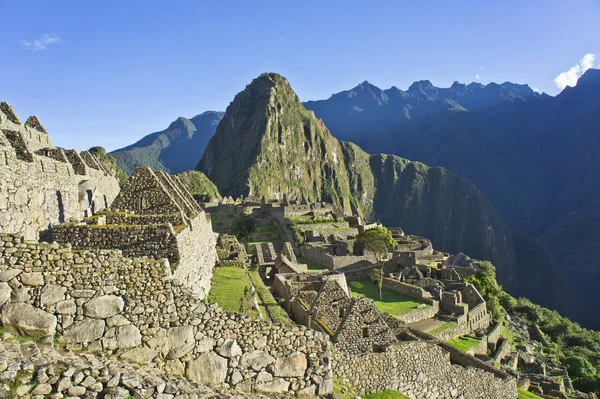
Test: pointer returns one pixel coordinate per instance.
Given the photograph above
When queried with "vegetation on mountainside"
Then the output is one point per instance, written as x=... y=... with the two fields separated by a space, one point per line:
x=285 y=149
x=201 y=188
x=394 y=303
x=173 y=150
x=110 y=163
x=576 y=348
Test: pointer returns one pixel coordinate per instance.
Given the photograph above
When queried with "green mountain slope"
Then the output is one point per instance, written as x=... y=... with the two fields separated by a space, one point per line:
x=269 y=145
x=173 y=150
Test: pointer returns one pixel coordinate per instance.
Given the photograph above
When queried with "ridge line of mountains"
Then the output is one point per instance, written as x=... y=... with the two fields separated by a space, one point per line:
x=533 y=156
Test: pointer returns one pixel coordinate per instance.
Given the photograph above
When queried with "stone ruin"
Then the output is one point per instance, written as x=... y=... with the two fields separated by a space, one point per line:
x=120 y=292
x=153 y=216
x=230 y=252
x=42 y=185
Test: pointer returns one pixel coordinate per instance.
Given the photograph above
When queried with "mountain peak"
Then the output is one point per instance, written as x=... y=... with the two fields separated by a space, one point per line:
x=591 y=76
x=420 y=86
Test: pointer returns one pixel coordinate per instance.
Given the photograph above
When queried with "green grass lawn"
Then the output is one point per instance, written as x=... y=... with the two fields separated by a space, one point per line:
x=443 y=327
x=227 y=288
x=389 y=394
x=393 y=303
x=269 y=228
x=527 y=395
x=464 y=343
x=312 y=267
x=268 y=305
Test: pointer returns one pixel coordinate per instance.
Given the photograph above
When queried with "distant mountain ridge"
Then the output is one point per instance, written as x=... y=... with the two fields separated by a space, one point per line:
x=536 y=157
x=175 y=149
x=268 y=145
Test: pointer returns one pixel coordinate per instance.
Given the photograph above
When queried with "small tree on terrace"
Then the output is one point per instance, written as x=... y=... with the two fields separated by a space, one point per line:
x=379 y=241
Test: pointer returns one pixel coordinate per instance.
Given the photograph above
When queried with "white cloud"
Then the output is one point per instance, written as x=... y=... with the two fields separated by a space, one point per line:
x=570 y=77
x=41 y=43
x=477 y=77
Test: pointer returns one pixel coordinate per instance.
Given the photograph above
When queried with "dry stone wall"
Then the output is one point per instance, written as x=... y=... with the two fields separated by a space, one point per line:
x=135 y=310
x=37 y=192
x=420 y=370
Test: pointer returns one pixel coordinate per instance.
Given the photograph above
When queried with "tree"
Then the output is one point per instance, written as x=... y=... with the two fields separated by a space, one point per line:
x=378 y=241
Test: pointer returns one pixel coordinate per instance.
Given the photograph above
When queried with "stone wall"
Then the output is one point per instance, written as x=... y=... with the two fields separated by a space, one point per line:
x=190 y=250
x=408 y=290
x=135 y=310
x=420 y=369
x=319 y=255
x=37 y=194
x=421 y=314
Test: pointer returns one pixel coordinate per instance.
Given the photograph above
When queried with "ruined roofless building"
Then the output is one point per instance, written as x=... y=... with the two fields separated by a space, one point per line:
x=42 y=185
x=153 y=216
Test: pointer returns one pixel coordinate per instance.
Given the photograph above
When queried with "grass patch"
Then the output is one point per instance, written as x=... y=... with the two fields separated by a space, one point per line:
x=227 y=289
x=393 y=303
x=268 y=304
x=269 y=228
x=312 y=267
x=507 y=335
x=343 y=390
x=444 y=327
x=275 y=242
x=464 y=343
x=523 y=394
x=389 y=394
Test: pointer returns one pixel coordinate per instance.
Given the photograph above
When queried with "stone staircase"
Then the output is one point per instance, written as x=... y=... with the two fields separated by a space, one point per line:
x=35 y=369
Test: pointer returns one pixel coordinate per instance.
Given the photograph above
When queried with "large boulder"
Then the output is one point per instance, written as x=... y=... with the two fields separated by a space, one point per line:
x=278 y=386
x=141 y=355
x=103 y=307
x=89 y=330
x=180 y=341
x=5 y=292
x=24 y=318
x=293 y=365
x=208 y=368
x=258 y=360
x=122 y=337
x=52 y=294
x=230 y=348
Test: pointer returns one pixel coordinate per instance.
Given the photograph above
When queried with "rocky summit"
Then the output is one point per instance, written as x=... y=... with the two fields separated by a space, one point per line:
x=268 y=145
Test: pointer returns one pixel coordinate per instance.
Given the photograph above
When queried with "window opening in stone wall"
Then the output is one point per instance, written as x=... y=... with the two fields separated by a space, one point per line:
x=61 y=207
x=105 y=201
x=90 y=198
x=341 y=313
x=365 y=332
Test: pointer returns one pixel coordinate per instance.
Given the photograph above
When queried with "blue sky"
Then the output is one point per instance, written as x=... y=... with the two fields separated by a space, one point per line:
x=109 y=72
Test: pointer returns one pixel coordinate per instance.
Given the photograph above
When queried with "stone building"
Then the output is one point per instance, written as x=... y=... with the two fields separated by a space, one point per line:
x=323 y=303
x=42 y=185
x=153 y=216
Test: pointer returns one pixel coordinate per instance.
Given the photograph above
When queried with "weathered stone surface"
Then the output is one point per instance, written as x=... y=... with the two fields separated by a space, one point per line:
x=175 y=367
x=5 y=292
x=275 y=387
x=291 y=366
x=257 y=360
x=122 y=337
x=141 y=355
x=230 y=348
x=180 y=341
x=88 y=330
x=52 y=294
x=24 y=318
x=66 y=307
x=208 y=368
x=104 y=306
x=326 y=387
x=10 y=274
x=34 y=279
x=205 y=345
x=117 y=321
